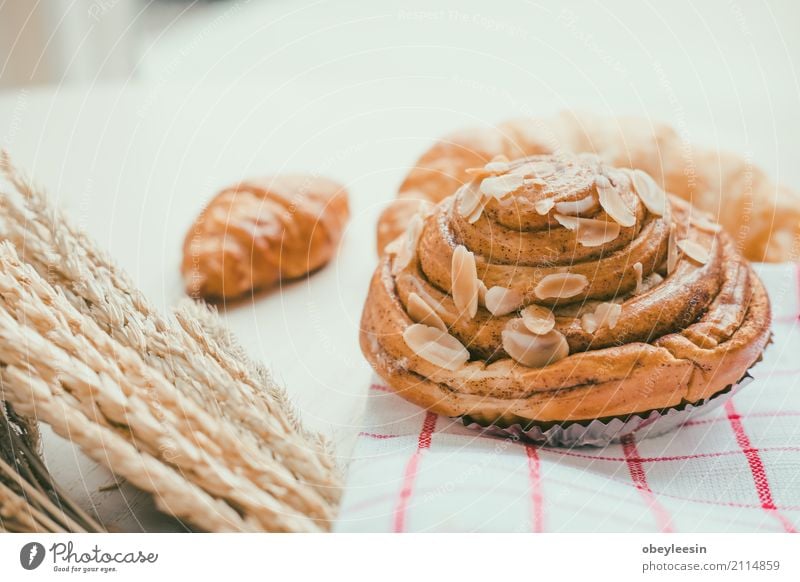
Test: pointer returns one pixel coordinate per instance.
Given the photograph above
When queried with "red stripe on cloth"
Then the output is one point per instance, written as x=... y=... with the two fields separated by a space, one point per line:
x=410 y=474
x=780 y=413
x=535 y=479
x=380 y=388
x=639 y=478
x=666 y=458
x=756 y=467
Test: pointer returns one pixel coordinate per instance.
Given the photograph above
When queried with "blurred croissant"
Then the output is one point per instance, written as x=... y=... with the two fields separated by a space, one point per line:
x=761 y=216
x=258 y=232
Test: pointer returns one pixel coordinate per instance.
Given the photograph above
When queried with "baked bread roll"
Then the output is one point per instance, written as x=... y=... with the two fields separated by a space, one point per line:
x=259 y=231
x=557 y=289
x=762 y=217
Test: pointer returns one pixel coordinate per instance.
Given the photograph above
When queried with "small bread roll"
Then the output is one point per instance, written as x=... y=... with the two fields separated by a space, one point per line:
x=257 y=232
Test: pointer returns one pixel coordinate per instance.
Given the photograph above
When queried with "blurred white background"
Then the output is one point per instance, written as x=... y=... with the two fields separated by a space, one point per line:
x=133 y=113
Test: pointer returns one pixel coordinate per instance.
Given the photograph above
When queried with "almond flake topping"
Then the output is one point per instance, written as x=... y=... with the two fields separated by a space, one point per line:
x=533 y=350
x=704 y=222
x=501 y=186
x=576 y=207
x=470 y=199
x=498 y=165
x=423 y=293
x=436 y=346
x=393 y=248
x=589 y=322
x=637 y=269
x=650 y=193
x=543 y=206
x=502 y=301
x=426 y=208
x=605 y=314
x=407 y=248
x=694 y=251
x=482 y=291
x=421 y=312
x=590 y=232
x=672 y=250
x=611 y=201
x=535 y=182
x=476 y=214
x=538 y=319
x=464 y=281
x=561 y=286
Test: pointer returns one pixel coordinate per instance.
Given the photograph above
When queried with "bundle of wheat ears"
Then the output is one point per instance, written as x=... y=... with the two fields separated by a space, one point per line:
x=170 y=403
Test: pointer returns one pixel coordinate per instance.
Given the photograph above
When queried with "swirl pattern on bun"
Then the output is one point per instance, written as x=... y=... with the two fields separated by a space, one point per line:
x=557 y=288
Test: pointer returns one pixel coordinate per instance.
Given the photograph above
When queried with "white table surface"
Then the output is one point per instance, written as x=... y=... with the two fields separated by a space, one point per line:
x=358 y=96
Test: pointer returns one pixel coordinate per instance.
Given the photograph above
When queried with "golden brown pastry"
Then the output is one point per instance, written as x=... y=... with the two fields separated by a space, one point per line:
x=259 y=231
x=559 y=288
x=762 y=217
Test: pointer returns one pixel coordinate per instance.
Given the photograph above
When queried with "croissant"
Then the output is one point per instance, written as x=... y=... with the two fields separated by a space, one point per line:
x=555 y=289
x=259 y=231
x=762 y=217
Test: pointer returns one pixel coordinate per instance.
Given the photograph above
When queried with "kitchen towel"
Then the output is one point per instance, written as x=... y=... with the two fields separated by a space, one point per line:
x=736 y=468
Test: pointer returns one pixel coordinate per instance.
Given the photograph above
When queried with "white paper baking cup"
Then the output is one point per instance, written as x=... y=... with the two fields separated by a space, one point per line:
x=601 y=432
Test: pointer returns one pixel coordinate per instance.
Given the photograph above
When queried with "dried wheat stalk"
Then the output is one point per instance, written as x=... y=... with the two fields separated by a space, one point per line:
x=30 y=501
x=178 y=393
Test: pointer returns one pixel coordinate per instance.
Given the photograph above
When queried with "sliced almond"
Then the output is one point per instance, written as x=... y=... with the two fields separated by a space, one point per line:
x=694 y=251
x=543 y=206
x=394 y=247
x=607 y=314
x=426 y=208
x=651 y=281
x=538 y=319
x=590 y=232
x=538 y=182
x=672 y=250
x=650 y=193
x=470 y=198
x=478 y=173
x=568 y=222
x=421 y=312
x=561 y=286
x=432 y=302
x=589 y=322
x=436 y=346
x=464 y=281
x=502 y=301
x=611 y=201
x=501 y=186
x=533 y=350
x=498 y=166
x=407 y=249
x=482 y=291
x=704 y=222
x=576 y=207
x=604 y=314
x=637 y=269
x=535 y=169
x=476 y=214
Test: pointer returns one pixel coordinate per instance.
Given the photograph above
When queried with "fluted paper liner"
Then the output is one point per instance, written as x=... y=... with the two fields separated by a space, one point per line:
x=604 y=431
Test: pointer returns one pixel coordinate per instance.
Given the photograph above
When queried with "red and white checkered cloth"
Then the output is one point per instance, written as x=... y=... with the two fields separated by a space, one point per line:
x=735 y=469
